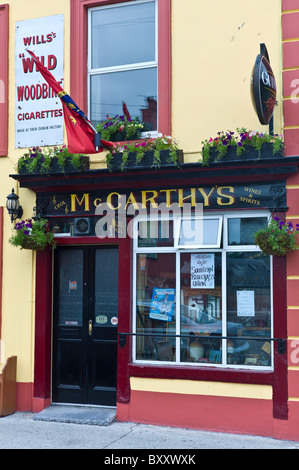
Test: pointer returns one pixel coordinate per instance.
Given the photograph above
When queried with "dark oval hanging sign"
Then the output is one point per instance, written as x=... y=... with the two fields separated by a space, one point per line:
x=263 y=89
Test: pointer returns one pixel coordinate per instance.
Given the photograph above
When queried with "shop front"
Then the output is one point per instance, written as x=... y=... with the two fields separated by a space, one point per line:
x=156 y=293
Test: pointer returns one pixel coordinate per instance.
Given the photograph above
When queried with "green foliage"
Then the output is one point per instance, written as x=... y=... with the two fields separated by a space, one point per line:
x=38 y=160
x=278 y=238
x=32 y=234
x=242 y=140
x=119 y=128
x=156 y=145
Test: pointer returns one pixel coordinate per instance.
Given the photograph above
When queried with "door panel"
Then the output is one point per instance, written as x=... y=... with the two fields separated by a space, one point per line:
x=85 y=325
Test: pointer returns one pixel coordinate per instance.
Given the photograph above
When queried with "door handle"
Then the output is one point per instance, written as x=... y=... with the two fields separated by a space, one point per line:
x=90 y=327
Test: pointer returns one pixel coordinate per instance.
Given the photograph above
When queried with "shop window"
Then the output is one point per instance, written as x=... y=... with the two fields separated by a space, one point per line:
x=122 y=61
x=240 y=230
x=156 y=233
x=155 y=306
x=204 y=232
x=203 y=305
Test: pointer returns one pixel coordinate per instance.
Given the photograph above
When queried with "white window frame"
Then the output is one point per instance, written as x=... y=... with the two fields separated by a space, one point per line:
x=240 y=215
x=177 y=251
x=200 y=219
x=122 y=68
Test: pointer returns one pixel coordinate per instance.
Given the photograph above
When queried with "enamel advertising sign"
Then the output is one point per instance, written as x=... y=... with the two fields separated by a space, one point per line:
x=38 y=111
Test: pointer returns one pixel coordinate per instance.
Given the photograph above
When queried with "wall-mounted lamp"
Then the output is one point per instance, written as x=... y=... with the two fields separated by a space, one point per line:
x=13 y=206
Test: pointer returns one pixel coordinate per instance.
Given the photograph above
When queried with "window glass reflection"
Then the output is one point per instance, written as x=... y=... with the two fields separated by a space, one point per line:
x=155 y=233
x=109 y=91
x=200 y=232
x=123 y=35
x=70 y=293
x=201 y=307
x=241 y=230
x=155 y=307
x=249 y=307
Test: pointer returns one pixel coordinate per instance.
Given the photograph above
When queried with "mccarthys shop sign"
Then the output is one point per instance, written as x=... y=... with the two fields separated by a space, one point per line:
x=241 y=196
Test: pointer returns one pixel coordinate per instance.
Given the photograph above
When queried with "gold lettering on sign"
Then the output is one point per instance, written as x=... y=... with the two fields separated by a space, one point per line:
x=253 y=191
x=191 y=196
x=250 y=200
x=60 y=204
x=97 y=201
x=75 y=200
x=168 y=195
x=145 y=199
x=109 y=201
x=220 y=200
x=206 y=196
x=132 y=200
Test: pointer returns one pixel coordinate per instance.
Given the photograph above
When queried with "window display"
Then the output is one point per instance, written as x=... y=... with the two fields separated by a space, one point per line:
x=155 y=306
x=205 y=306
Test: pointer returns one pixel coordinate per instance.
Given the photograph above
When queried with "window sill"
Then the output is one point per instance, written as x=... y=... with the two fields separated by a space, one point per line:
x=201 y=373
x=145 y=137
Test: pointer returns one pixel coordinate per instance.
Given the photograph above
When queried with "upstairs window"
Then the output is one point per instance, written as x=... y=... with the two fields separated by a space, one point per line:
x=123 y=62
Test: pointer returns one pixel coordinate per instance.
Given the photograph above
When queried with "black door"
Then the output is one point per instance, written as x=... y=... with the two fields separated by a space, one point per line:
x=85 y=325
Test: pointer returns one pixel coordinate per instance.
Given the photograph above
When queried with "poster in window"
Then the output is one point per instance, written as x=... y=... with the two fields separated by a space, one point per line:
x=162 y=304
x=245 y=303
x=202 y=271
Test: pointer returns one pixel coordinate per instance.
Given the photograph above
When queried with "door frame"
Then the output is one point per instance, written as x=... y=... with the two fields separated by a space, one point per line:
x=42 y=392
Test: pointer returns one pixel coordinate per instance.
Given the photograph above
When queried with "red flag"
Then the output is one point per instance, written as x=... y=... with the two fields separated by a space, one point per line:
x=80 y=132
x=126 y=111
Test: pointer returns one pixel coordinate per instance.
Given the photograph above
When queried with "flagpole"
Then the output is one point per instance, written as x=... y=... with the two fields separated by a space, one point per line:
x=97 y=136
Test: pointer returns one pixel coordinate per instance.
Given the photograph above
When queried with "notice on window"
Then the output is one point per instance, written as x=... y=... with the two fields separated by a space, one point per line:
x=245 y=303
x=202 y=271
x=162 y=304
x=72 y=285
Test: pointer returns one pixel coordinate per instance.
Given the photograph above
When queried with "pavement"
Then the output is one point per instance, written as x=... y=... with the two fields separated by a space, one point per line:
x=96 y=428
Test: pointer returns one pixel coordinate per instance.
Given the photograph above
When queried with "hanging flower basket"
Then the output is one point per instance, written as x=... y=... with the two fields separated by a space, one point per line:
x=278 y=238
x=32 y=234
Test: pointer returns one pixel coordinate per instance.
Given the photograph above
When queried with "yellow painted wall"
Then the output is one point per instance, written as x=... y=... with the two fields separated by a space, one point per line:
x=214 y=46
x=192 y=387
x=18 y=303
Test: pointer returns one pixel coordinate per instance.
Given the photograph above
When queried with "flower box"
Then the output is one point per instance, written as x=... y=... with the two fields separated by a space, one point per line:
x=69 y=167
x=55 y=167
x=147 y=161
x=244 y=145
x=266 y=151
x=120 y=128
